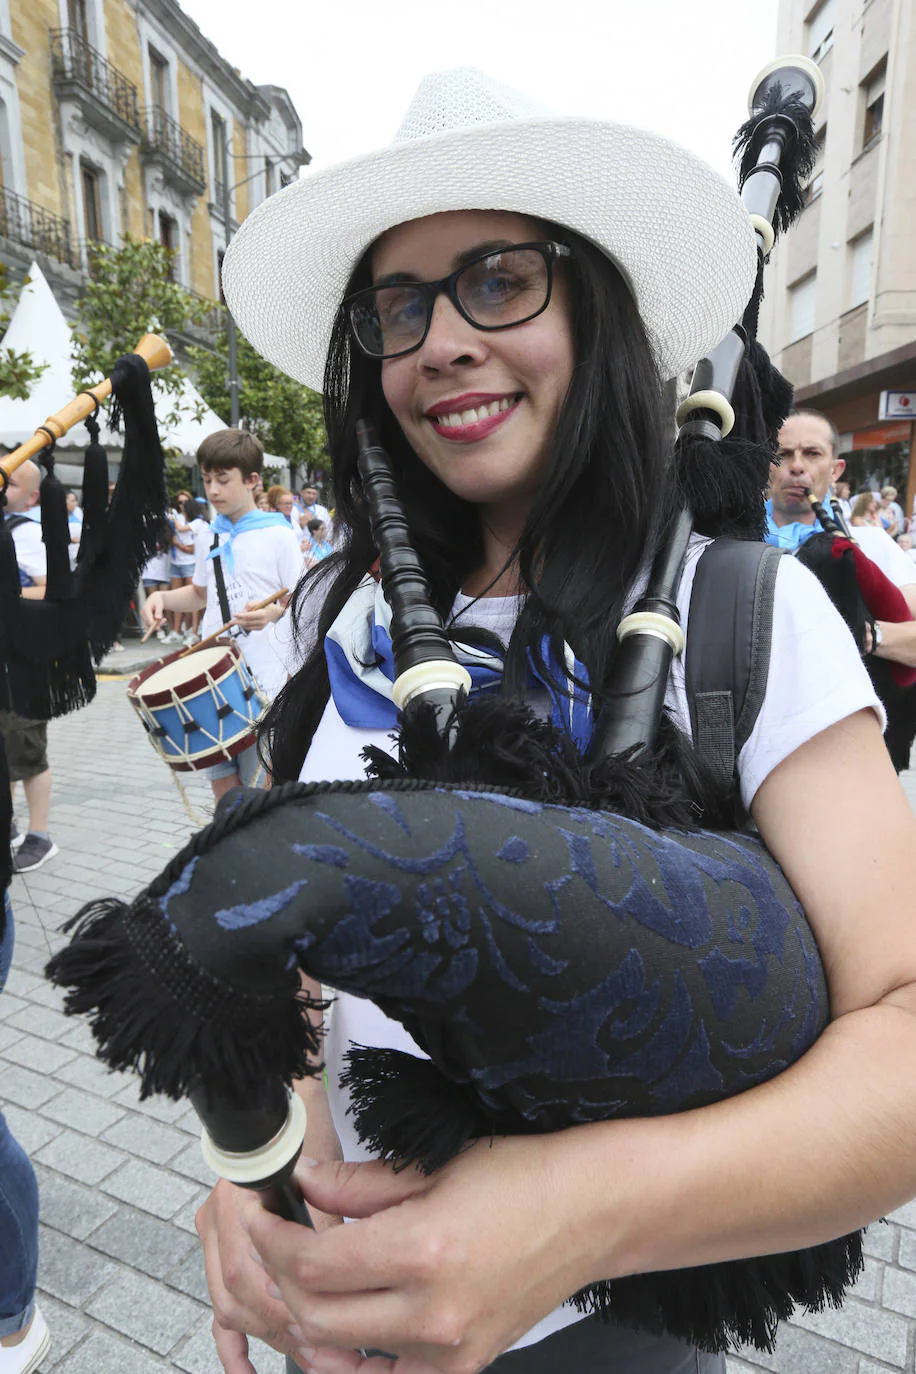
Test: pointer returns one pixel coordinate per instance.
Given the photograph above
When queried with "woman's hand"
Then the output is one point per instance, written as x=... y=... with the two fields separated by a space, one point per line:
x=446 y=1271
x=250 y=619
x=239 y=1287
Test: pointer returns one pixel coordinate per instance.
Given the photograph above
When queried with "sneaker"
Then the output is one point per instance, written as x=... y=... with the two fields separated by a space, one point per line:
x=16 y=836
x=31 y=854
x=162 y=635
x=190 y=637
x=26 y=1357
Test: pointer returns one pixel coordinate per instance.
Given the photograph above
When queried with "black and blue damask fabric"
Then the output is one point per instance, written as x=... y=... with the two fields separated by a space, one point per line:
x=558 y=965
x=565 y=965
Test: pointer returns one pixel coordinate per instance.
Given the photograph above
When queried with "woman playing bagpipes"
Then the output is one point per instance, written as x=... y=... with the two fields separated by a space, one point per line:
x=503 y=296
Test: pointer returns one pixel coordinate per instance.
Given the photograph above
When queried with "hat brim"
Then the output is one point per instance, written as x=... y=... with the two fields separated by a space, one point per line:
x=675 y=227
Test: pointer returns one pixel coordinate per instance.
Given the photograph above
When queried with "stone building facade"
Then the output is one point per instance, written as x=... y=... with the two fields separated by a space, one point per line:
x=840 y=312
x=114 y=115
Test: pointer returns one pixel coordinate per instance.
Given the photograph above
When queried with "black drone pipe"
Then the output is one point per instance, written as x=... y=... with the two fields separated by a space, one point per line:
x=776 y=143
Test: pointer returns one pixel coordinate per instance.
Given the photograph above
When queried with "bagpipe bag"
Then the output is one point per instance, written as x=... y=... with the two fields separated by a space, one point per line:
x=559 y=965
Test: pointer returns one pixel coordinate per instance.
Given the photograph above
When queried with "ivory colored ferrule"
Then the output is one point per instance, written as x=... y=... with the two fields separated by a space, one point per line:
x=655 y=624
x=258 y=1166
x=766 y=231
x=708 y=400
x=439 y=675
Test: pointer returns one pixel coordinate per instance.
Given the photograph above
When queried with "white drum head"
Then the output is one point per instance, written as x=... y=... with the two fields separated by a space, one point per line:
x=182 y=670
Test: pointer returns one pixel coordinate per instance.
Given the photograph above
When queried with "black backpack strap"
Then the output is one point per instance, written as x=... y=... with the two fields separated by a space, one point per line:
x=729 y=637
x=221 y=596
x=14 y=522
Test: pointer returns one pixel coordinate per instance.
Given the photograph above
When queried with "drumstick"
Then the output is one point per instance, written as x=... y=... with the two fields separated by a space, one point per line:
x=258 y=606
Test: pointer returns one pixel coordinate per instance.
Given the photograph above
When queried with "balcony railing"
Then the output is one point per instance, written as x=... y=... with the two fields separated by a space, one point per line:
x=75 y=61
x=212 y=314
x=164 y=138
x=35 y=228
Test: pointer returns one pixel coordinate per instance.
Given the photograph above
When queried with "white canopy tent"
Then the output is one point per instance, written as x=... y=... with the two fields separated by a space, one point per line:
x=38 y=326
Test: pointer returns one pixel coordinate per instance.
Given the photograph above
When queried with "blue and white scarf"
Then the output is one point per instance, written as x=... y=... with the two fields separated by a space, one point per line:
x=793 y=535
x=253 y=520
x=361 y=669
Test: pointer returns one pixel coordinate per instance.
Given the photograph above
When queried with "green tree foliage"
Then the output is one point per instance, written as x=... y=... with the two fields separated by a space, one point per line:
x=129 y=292
x=286 y=416
x=18 y=371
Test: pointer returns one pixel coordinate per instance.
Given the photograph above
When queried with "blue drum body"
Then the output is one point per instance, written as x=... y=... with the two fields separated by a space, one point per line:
x=199 y=709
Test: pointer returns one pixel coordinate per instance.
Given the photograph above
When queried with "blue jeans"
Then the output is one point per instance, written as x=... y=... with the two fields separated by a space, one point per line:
x=18 y=1204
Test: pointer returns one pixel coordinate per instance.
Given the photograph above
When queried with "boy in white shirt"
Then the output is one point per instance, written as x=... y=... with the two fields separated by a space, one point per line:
x=258 y=554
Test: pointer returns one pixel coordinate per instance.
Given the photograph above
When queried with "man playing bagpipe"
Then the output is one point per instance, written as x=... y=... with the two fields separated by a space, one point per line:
x=872 y=583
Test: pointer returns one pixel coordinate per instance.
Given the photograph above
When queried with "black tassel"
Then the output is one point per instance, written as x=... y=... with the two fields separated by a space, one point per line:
x=129 y=534
x=95 y=496
x=723 y=482
x=55 y=532
x=798 y=157
x=46 y=668
x=135 y=981
x=407 y=1112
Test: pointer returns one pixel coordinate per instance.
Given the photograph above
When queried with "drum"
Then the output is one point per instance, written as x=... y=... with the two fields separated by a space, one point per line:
x=198 y=709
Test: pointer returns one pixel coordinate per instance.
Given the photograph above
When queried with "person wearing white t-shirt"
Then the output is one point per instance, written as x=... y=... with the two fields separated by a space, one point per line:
x=259 y=555
x=528 y=432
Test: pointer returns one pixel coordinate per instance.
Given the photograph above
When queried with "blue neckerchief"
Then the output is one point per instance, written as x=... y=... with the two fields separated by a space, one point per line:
x=791 y=536
x=253 y=520
x=361 y=670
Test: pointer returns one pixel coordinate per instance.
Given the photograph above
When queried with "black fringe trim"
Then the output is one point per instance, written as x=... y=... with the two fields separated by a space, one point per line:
x=498 y=741
x=406 y=1111
x=154 y=1010
x=720 y=1307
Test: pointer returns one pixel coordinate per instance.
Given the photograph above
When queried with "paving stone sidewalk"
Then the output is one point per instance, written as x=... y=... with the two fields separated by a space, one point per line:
x=120 y=1272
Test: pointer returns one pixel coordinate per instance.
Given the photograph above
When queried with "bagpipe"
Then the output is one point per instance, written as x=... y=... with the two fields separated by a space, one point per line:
x=862 y=594
x=48 y=647
x=553 y=926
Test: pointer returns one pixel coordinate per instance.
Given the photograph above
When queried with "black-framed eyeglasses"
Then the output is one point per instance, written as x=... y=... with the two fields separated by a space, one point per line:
x=500 y=289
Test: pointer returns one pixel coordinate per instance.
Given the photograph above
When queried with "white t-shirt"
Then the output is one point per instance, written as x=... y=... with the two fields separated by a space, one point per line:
x=888 y=556
x=158 y=569
x=816 y=679
x=30 y=549
x=264 y=561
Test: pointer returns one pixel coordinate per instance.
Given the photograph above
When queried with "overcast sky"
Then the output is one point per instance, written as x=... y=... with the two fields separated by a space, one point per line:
x=681 y=67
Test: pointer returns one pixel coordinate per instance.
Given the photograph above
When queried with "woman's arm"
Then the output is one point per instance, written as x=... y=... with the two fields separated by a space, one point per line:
x=471 y=1258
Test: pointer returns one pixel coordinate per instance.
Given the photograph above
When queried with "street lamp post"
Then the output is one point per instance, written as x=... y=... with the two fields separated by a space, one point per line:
x=234 y=384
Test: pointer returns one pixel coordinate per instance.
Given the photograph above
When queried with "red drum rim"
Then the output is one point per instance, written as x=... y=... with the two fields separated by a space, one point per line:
x=184 y=689
x=212 y=756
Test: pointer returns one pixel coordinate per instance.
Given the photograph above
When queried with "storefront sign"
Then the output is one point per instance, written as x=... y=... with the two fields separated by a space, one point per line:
x=897 y=405
x=878 y=436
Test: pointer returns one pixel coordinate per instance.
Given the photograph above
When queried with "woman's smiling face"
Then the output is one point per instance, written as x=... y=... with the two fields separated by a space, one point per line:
x=514 y=381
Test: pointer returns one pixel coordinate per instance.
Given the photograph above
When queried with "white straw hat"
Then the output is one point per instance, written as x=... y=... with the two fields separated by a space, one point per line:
x=676 y=229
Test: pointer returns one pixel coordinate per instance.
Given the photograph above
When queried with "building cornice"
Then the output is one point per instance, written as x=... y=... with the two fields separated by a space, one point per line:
x=227 y=79
x=874 y=373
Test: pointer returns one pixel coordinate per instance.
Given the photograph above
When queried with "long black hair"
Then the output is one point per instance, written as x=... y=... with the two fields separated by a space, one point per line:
x=594 y=522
